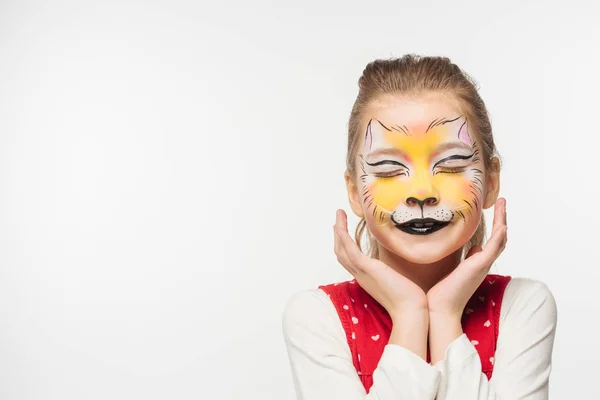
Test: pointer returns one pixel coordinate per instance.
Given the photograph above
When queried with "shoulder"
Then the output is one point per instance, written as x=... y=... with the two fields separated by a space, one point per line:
x=521 y=289
x=526 y=298
x=308 y=310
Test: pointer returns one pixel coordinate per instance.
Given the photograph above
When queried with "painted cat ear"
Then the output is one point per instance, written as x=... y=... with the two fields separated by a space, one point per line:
x=461 y=127
x=463 y=134
x=374 y=134
x=368 y=137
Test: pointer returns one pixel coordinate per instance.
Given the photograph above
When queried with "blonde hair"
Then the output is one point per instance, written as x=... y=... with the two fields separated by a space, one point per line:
x=408 y=75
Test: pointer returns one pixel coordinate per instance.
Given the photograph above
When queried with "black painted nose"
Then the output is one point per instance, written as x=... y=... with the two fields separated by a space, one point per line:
x=430 y=201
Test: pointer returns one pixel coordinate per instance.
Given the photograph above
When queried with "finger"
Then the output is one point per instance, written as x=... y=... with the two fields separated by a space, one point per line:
x=341 y=226
x=341 y=219
x=351 y=249
x=505 y=219
x=495 y=245
x=344 y=220
x=342 y=255
x=342 y=258
x=474 y=269
x=338 y=218
x=336 y=241
x=337 y=246
x=473 y=250
x=503 y=213
x=505 y=239
x=344 y=241
x=480 y=265
x=499 y=219
x=337 y=232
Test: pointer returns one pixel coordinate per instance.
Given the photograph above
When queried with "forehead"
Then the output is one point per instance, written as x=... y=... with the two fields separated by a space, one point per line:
x=416 y=113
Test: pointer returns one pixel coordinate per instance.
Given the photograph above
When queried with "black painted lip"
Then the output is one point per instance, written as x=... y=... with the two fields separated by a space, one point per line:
x=407 y=226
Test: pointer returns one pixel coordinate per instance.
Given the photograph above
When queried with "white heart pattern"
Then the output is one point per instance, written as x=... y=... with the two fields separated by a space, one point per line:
x=487 y=323
x=375 y=338
x=475 y=342
x=482 y=298
x=492 y=359
x=355 y=320
x=346 y=307
x=365 y=306
x=353 y=335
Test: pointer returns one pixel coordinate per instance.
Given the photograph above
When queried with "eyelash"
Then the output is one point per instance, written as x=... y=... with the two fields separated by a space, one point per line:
x=391 y=174
x=437 y=169
x=449 y=170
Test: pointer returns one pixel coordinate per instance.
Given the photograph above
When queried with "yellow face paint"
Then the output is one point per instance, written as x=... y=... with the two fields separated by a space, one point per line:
x=428 y=175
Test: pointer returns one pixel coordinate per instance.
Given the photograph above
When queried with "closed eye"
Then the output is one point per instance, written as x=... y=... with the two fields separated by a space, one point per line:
x=452 y=164
x=453 y=157
x=386 y=162
x=449 y=170
x=388 y=168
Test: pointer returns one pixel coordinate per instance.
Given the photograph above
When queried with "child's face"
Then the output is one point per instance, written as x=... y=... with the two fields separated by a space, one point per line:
x=421 y=182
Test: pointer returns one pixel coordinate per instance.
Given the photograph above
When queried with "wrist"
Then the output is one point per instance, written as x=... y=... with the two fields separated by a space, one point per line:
x=409 y=315
x=410 y=330
x=444 y=328
x=444 y=325
x=445 y=317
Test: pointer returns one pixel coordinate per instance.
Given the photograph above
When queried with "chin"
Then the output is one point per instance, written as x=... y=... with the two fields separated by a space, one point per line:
x=423 y=254
x=422 y=246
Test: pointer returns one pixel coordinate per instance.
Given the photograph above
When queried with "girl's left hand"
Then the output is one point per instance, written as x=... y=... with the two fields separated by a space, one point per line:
x=450 y=295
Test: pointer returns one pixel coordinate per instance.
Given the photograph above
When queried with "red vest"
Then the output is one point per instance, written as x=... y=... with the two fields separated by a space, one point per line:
x=368 y=325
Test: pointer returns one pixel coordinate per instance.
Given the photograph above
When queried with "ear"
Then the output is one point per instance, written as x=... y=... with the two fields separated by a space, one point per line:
x=492 y=183
x=354 y=195
x=460 y=127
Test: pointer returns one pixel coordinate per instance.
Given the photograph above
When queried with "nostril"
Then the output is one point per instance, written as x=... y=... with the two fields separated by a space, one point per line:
x=431 y=201
x=411 y=201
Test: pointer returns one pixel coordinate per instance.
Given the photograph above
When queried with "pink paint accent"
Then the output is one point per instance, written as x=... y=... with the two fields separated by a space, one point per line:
x=368 y=138
x=418 y=128
x=463 y=135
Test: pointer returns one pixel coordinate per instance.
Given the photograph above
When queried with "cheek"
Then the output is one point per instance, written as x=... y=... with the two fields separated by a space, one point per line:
x=453 y=189
x=387 y=193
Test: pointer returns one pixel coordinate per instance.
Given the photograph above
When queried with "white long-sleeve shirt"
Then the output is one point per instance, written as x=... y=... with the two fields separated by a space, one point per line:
x=322 y=366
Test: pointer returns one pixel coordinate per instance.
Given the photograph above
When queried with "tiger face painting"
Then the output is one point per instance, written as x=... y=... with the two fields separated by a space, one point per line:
x=420 y=178
x=421 y=181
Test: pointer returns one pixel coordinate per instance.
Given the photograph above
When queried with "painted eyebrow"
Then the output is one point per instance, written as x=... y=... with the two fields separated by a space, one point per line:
x=440 y=121
x=454 y=157
x=386 y=162
x=387 y=152
x=453 y=145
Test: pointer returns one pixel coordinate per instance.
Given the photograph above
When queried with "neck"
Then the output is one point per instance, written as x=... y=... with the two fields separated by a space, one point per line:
x=424 y=275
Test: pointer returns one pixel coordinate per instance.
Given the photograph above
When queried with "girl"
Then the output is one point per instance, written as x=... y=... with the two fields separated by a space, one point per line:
x=422 y=318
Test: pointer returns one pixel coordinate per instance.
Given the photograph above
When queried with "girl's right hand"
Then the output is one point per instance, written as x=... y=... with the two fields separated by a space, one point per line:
x=397 y=294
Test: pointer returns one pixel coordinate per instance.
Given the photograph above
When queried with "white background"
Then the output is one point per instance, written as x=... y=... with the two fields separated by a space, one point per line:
x=170 y=172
